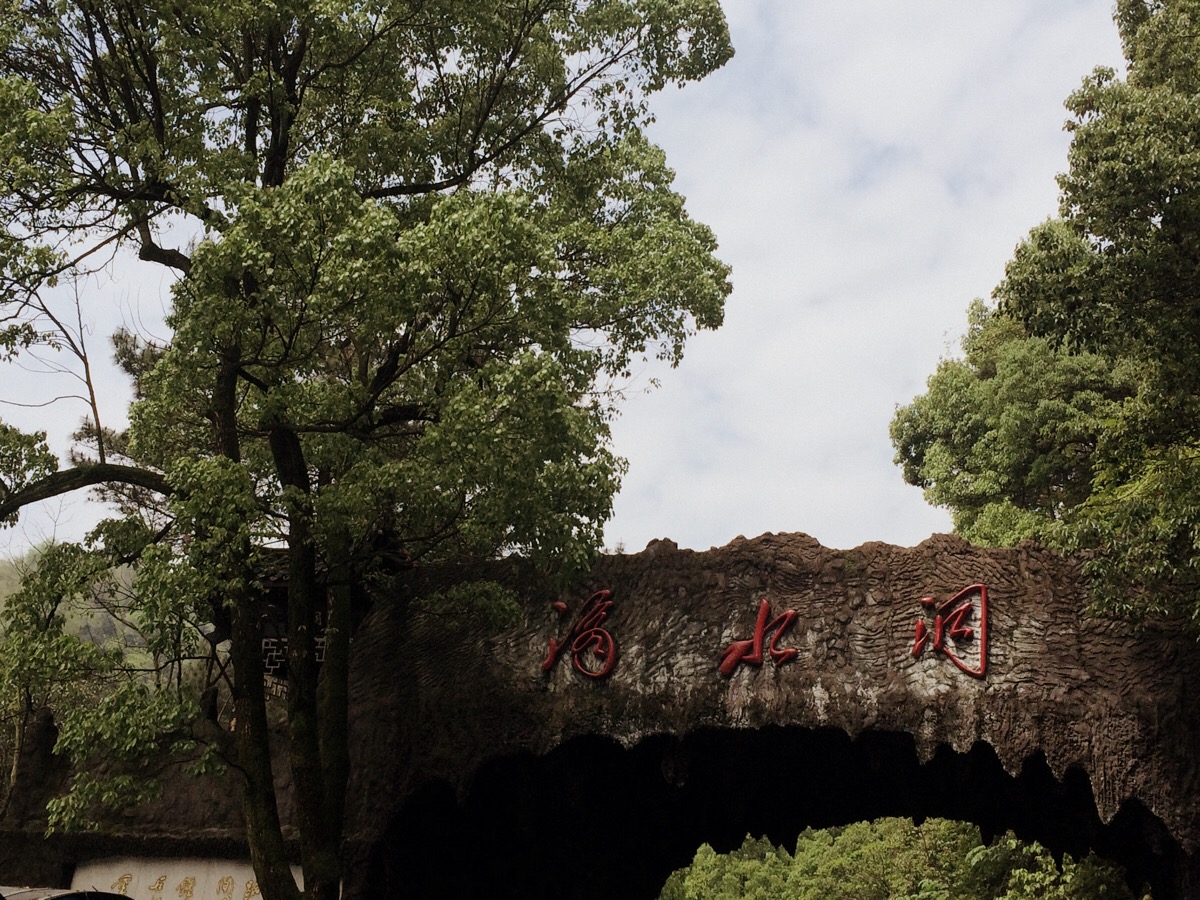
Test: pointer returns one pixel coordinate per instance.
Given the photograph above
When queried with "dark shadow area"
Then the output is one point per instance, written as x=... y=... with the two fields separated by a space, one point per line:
x=593 y=820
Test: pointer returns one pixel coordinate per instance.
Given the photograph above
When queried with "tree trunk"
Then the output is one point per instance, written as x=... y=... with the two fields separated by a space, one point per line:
x=268 y=853
x=333 y=695
x=264 y=833
x=320 y=839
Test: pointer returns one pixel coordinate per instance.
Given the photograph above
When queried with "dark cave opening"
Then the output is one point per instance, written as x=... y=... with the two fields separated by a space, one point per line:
x=594 y=820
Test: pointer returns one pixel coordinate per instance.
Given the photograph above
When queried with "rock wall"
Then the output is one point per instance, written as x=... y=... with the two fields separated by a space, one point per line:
x=936 y=680
x=435 y=698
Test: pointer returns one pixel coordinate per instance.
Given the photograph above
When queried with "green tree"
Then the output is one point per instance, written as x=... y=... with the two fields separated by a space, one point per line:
x=755 y=871
x=1008 y=436
x=415 y=247
x=1104 y=302
x=881 y=860
x=1012 y=869
x=893 y=859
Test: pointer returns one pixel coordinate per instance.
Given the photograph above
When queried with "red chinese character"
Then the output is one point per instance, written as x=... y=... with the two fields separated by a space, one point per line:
x=593 y=651
x=751 y=651
x=949 y=623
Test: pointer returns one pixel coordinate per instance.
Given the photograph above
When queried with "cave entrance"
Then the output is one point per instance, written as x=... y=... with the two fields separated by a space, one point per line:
x=595 y=821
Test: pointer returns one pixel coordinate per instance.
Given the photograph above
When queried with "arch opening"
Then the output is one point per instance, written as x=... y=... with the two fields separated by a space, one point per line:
x=592 y=819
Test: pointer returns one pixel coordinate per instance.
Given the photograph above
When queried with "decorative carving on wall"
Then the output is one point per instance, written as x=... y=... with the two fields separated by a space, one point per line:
x=187 y=887
x=950 y=628
x=750 y=651
x=593 y=650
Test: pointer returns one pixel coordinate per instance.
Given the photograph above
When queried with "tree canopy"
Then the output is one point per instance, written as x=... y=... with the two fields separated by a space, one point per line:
x=414 y=247
x=894 y=859
x=1072 y=415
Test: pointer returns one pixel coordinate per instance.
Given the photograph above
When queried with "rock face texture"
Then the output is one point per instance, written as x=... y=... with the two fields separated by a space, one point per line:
x=1081 y=731
x=675 y=697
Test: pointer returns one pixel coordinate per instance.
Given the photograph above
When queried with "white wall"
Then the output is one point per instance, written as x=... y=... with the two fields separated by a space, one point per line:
x=166 y=878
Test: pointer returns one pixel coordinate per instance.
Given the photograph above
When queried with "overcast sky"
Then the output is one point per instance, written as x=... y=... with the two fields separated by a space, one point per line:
x=868 y=167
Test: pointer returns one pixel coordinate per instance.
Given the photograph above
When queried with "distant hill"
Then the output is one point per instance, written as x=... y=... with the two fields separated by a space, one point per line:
x=96 y=626
x=10 y=578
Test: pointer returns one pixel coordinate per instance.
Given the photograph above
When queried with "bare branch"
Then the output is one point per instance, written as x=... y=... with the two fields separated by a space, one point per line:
x=167 y=256
x=73 y=479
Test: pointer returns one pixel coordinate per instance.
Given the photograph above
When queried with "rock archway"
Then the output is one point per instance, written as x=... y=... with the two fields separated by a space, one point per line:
x=592 y=819
x=673 y=697
x=937 y=680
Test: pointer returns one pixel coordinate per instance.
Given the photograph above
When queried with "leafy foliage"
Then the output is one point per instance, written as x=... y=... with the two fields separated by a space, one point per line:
x=1078 y=425
x=1010 y=436
x=415 y=247
x=63 y=649
x=893 y=859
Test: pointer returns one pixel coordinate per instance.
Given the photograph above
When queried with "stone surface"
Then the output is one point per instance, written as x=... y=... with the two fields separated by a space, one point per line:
x=474 y=767
x=436 y=699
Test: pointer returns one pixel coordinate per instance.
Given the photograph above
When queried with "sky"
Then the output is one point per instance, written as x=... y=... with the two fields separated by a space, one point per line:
x=868 y=167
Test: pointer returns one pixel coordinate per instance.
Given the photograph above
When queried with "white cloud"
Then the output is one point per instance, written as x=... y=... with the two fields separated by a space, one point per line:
x=868 y=168
x=52 y=395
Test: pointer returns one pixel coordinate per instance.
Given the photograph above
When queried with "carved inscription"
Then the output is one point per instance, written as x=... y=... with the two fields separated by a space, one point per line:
x=187 y=887
x=951 y=633
x=165 y=878
x=959 y=631
x=593 y=650
x=750 y=651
